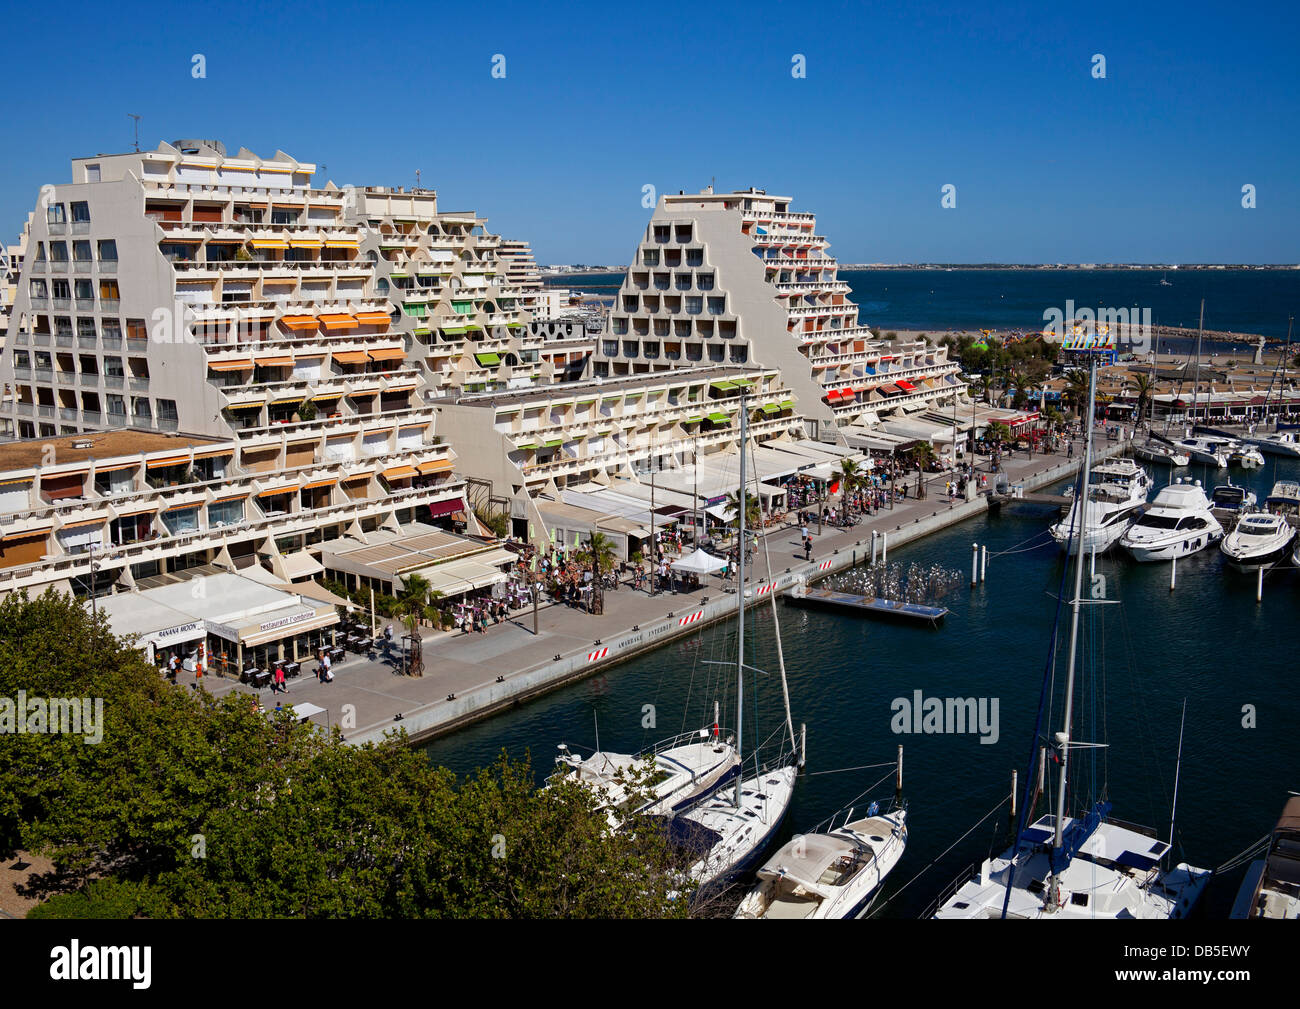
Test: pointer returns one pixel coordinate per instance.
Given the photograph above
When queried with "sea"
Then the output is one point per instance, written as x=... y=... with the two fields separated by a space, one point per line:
x=1201 y=669
x=941 y=300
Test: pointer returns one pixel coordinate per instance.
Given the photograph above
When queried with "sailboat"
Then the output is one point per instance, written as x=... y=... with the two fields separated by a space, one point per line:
x=724 y=836
x=1088 y=866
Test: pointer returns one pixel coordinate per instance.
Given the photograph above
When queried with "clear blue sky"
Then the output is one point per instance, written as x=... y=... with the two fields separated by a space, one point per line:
x=1049 y=163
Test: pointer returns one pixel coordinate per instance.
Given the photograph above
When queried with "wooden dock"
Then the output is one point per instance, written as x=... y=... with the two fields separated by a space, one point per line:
x=890 y=609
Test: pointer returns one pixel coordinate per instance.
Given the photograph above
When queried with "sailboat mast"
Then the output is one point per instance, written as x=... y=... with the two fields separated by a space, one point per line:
x=740 y=602
x=1196 y=374
x=1076 y=604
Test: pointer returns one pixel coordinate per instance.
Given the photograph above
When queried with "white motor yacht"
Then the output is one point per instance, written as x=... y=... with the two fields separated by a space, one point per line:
x=1284 y=498
x=1271 y=888
x=1162 y=453
x=1277 y=443
x=1260 y=540
x=1231 y=499
x=1116 y=490
x=1208 y=451
x=1178 y=523
x=1245 y=456
x=834 y=874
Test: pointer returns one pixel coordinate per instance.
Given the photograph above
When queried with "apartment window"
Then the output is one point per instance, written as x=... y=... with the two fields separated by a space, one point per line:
x=63 y=325
x=92 y=173
x=81 y=252
x=113 y=366
x=55 y=214
x=694 y=351
x=649 y=257
x=463 y=307
x=135 y=330
x=58 y=252
x=81 y=213
x=716 y=352
x=629 y=348
x=609 y=348
x=662 y=232
x=651 y=348
x=739 y=355
x=694 y=257
x=683 y=281
x=630 y=302
x=39 y=290
x=225 y=513
x=683 y=234
x=167 y=411
x=116 y=404
x=181 y=520
x=620 y=326
x=279 y=216
x=109 y=293
x=661 y=327
x=86 y=327
x=694 y=305
x=717 y=306
x=705 y=281
x=142 y=411
x=85 y=290
x=108 y=251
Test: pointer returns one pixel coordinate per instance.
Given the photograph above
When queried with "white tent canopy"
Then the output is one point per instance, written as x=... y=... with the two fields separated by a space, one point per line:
x=699 y=562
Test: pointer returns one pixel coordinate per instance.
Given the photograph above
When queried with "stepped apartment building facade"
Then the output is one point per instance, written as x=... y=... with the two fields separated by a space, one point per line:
x=228 y=298
x=737 y=278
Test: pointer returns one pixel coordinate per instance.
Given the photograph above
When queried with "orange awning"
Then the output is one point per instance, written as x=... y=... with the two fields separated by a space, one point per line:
x=352 y=477
x=306 y=243
x=278 y=490
x=230 y=497
x=300 y=321
x=268 y=243
x=241 y=364
x=339 y=321
x=400 y=473
x=373 y=318
x=357 y=393
x=279 y=280
x=138 y=511
x=399 y=388
x=436 y=466
x=108 y=469
x=320 y=483
x=84 y=522
x=215 y=453
x=274 y=362
x=350 y=357
x=342 y=243
x=388 y=354
x=171 y=460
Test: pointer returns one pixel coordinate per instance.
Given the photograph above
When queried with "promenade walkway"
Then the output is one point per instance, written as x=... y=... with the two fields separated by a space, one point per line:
x=470 y=664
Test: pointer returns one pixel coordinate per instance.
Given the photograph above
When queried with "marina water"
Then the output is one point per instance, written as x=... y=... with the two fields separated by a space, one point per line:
x=1206 y=641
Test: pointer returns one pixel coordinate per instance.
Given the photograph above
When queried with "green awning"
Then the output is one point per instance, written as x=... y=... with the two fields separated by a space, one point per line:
x=692 y=420
x=742 y=381
x=554 y=443
x=771 y=408
x=718 y=417
x=787 y=404
x=527 y=447
x=400 y=276
x=584 y=402
x=455 y=330
x=634 y=395
x=488 y=358
x=722 y=386
x=421 y=331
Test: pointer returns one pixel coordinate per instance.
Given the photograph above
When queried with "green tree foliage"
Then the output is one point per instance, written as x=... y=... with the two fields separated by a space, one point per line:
x=193 y=806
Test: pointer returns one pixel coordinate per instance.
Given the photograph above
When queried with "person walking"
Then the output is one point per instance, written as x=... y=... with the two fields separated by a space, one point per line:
x=807 y=548
x=280 y=686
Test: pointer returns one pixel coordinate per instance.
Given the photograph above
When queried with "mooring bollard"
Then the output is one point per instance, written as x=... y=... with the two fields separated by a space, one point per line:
x=1259 y=586
x=874 y=536
x=984 y=563
x=1173 y=574
x=884 y=548
x=974 y=564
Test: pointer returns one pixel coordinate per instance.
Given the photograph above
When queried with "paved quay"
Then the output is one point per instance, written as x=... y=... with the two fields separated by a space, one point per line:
x=470 y=676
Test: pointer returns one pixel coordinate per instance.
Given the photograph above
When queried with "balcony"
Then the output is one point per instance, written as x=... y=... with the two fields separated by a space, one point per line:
x=86 y=342
x=90 y=379
x=61 y=303
x=57 y=228
x=58 y=266
x=81 y=266
x=108 y=266
x=92 y=417
x=67 y=413
x=39 y=303
x=114 y=381
x=113 y=342
x=138 y=385
x=63 y=340
x=110 y=304
x=86 y=304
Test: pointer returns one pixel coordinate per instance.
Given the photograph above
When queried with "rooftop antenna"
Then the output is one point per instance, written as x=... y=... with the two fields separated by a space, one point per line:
x=417 y=178
x=132 y=115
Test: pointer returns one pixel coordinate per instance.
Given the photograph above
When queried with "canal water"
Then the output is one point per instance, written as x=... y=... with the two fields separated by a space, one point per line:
x=1207 y=642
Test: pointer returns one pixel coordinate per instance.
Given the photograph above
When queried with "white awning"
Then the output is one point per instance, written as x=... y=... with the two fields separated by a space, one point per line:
x=301 y=564
x=699 y=562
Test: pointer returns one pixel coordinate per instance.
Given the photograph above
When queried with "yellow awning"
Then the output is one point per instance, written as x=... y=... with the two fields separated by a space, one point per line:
x=350 y=357
x=387 y=354
x=436 y=466
x=339 y=321
x=306 y=243
x=400 y=473
x=242 y=364
x=350 y=244
x=274 y=362
x=268 y=243
x=171 y=460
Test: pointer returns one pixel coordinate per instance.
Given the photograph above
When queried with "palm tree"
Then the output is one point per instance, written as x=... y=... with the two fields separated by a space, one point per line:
x=1020 y=383
x=1144 y=386
x=849 y=476
x=923 y=455
x=1076 y=388
x=411 y=602
x=599 y=554
x=753 y=511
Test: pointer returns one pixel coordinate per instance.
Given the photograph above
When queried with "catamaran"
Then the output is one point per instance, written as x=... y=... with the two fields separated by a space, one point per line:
x=1088 y=866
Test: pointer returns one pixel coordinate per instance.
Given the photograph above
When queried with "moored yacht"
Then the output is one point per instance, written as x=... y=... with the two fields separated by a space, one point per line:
x=1245 y=456
x=1277 y=443
x=1271 y=888
x=1160 y=452
x=1116 y=491
x=1178 y=523
x=1232 y=500
x=1284 y=498
x=829 y=874
x=1260 y=540
x=677 y=773
x=1207 y=451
